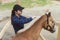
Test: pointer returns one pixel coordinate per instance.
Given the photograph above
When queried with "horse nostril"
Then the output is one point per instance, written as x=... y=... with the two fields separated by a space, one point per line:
x=53 y=30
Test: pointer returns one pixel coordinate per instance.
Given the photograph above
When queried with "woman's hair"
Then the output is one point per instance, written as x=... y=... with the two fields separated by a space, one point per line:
x=15 y=8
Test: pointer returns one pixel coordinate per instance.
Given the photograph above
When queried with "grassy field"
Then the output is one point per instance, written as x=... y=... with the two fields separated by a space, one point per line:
x=25 y=3
x=7 y=5
x=30 y=3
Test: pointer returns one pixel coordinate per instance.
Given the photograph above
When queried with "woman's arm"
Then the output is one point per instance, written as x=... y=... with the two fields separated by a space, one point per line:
x=26 y=20
x=23 y=20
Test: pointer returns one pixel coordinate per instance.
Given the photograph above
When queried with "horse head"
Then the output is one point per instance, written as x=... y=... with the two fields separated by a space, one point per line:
x=49 y=23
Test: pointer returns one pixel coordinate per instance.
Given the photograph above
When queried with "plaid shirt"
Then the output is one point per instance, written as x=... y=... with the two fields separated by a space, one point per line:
x=18 y=22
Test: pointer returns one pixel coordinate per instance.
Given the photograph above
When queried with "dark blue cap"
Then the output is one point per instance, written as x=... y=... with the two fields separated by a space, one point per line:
x=18 y=7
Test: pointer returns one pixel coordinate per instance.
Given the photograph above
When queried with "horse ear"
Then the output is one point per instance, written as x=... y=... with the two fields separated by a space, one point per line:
x=49 y=14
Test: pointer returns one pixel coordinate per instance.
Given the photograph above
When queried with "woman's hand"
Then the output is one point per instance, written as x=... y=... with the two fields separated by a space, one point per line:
x=33 y=17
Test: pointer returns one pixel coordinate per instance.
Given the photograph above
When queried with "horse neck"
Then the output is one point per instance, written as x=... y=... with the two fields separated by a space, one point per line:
x=37 y=26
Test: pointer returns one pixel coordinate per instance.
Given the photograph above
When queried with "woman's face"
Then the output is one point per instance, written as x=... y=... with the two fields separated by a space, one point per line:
x=18 y=12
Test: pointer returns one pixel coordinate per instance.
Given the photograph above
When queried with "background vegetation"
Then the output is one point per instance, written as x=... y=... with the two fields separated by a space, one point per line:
x=25 y=3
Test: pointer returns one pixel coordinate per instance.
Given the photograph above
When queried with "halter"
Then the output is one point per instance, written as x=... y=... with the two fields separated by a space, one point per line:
x=47 y=23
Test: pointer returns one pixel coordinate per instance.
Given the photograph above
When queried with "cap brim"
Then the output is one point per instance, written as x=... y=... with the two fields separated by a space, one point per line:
x=22 y=8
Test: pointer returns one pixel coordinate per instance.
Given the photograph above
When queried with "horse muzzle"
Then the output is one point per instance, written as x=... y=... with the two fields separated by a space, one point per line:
x=52 y=30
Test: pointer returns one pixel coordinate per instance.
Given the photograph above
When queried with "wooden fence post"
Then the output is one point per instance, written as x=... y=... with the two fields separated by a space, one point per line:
x=4 y=29
x=58 y=36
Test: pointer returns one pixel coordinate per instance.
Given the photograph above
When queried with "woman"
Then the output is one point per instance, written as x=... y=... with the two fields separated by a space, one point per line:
x=17 y=20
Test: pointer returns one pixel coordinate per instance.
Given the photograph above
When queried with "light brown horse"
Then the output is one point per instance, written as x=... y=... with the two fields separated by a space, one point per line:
x=46 y=22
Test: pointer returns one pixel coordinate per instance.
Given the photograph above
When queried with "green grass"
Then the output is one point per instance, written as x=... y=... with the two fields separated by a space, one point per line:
x=30 y=3
x=25 y=3
x=7 y=5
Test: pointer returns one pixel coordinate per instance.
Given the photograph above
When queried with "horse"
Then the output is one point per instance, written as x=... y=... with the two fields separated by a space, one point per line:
x=45 y=21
